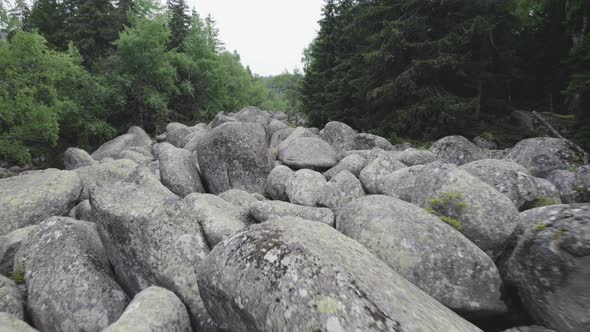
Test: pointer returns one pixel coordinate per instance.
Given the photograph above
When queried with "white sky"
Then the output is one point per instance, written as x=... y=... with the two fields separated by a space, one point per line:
x=269 y=35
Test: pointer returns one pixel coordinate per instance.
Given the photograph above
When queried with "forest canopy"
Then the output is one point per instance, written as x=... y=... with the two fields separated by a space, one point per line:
x=425 y=69
x=77 y=72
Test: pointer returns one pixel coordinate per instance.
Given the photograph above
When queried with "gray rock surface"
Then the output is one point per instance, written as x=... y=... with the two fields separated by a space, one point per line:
x=11 y=298
x=105 y=174
x=385 y=163
x=239 y=198
x=179 y=136
x=400 y=183
x=456 y=150
x=76 y=158
x=275 y=125
x=483 y=143
x=177 y=170
x=568 y=186
x=153 y=309
x=307 y=152
x=413 y=157
x=9 y=245
x=218 y=218
x=339 y=135
x=268 y=210
x=11 y=323
x=29 y=199
x=369 y=141
x=69 y=281
x=194 y=139
x=299 y=275
x=253 y=115
x=545 y=154
x=353 y=163
x=509 y=178
x=583 y=175
x=220 y=119
x=82 y=211
x=426 y=251
x=550 y=266
x=278 y=137
x=341 y=189
x=235 y=156
x=135 y=137
x=546 y=192
x=304 y=187
x=276 y=182
x=529 y=329
x=152 y=238
x=138 y=157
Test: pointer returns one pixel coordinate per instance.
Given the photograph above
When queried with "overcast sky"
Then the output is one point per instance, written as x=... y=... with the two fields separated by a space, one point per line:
x=269 y=35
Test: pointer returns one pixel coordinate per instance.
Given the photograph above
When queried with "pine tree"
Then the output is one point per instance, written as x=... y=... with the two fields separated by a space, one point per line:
x=179 y=23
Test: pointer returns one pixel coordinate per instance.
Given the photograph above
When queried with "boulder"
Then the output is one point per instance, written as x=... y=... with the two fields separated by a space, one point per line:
x=353 y=163
x=583 y=175
x=69 y=281
x=545 y=154
x=194 y=139
x=137 y=157
x=293 y=135
x=529 y=329
x=253 y=115
x=340 y=190
x=566 y=183
x=152 y=239
x=426 y=251
x=370 y=155
x=456 y=150
x=11 y=298
x=220 y=119
x=370 y=141
x=413 y=157
x=292 y=274
x=82 y=211
x=384 y=164
x=239 y=198
x=11 y=323
x=339 y=135
x=105 y=174
x=276 y=182
x=76 y=158
x=509 y=178
x=235 y=156
x=135 y=137
x=172 y=126
x=268 y=210
x=547 y=194
x=400 y=183
x=278 y=137
x=304 y=187
x=218 y=218
x=177 y=170
x=9 y=245
x=307 y=152
x=550 y=267
x=484 y=144
x=29 y=199
x=275 y=125
x=153 y=309
x=179 y=136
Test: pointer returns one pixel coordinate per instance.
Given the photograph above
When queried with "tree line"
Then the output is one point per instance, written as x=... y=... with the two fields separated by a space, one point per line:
x=424 y=69
x=77 y=72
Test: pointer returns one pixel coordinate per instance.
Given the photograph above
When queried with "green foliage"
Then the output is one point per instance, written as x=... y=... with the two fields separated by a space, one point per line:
x=18 y=275
x=544 y=201
x=488 y=136
x=540 y=227
x=448 y=207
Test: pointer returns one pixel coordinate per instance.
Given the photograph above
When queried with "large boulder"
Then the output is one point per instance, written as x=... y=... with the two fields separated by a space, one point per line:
x=304 y=187
x=456 y=150
x=153 y=309
x=239 y=198
x=276 y=182
x=11 y=323
x=550 y=266
x=385 y=163
x=484 y=215
x=354 y=164
x=400 y=183
x=29 y=199
x=69 y=281
x=152 y=239
x=254 y=115
x=177 y=170
x=339 y=135
x=11 y=298
x=76 y=158
x=340 y=190
x=568 y=186
x=426 y=251
x=194 y=139
x=267 y=210
x=307 y=152
x=545 y=154
x=509 y=178
x=219 y=219
x=135 y=137
x=413 y=157
x=292 y=274
x=274 y=126
x=220 y=119
x=278 y=137
x=104 y=174
x=9 y=245
x=583 y=175
x=235 y=156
